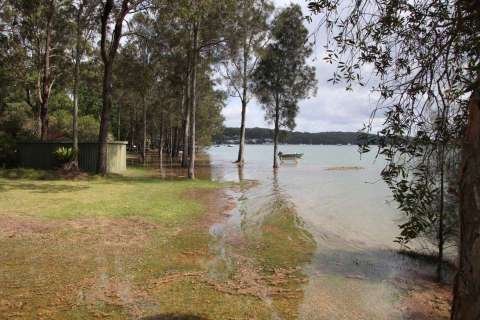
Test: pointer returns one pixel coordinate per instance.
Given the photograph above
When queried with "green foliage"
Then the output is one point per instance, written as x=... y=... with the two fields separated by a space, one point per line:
x=15 y=125
x=16 y=120
x=246 y=37
x=60 y=101
x=90 y=88
x=8 y=156
x=425 y=58
x=88 y=128
x=64 y=154
x=282 y=77
x=61 y=125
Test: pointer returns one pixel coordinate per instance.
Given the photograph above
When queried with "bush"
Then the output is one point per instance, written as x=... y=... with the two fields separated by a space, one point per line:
x=15 y=124
x=16 y=120
x=64 y=155
x=8 y=151
x=61 y=124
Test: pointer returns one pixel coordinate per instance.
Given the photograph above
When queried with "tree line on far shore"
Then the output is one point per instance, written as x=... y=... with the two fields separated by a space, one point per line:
x=229 y=135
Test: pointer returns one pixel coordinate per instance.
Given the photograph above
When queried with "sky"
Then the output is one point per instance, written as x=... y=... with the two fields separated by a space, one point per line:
x=331 y=109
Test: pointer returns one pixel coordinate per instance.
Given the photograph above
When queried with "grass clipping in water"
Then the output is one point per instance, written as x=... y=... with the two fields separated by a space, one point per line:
x=344 y=168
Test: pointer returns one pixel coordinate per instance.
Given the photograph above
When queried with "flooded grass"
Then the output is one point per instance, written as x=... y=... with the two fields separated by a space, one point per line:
x=135 y=246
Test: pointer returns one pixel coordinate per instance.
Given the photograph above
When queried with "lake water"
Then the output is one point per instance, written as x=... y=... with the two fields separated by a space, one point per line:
x=354 y=271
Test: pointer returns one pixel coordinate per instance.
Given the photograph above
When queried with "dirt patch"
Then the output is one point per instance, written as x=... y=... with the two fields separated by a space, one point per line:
x=218 y=204
x=72 y=174
x=426 y=300
x=123 y=231
x=11 y=226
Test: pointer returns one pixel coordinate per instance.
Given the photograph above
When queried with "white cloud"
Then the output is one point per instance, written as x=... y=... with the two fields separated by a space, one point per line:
x=332 y=109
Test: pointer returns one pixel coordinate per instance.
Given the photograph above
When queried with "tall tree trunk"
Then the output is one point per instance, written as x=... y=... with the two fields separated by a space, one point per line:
x=193 y=97
x=241 y=148
x=144 y=130
x=105 y=119
x=46 y=77
x=186 y=120
x=441 y=215
x=174 y=141
x=132 y=128
x=275 y=134
x=108 y=56
x=75 y=86
x=119 y=122
x=160 y=139
x=177 y=137
x=466 y=303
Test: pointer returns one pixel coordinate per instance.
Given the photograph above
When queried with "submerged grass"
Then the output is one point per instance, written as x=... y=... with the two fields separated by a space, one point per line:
x=126 y=246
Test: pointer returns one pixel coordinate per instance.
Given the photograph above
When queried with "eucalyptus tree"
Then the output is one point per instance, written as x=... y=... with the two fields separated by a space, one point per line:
x=426 y=55
x=205 y=21
x=39 y=32
x=248 y=34
x=113 y=14
x=84 y=13
x=142 y=25
x=283 y=77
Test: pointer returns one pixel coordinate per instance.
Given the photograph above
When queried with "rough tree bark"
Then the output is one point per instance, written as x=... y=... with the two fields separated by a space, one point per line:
x=144 y=130
x=244 y=99
x=275 y=134
x=160 y=138
x=441 y=238
x=108 y=55
x=193 y=103
x=466 y=303
x=47 y=80
x=75 y=85
x=186 y=120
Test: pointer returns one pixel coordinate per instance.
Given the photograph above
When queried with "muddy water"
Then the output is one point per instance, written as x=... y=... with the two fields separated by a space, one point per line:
x=353 y=272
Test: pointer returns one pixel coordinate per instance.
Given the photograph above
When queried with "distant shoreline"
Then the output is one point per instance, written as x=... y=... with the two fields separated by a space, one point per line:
x=284 y=144
x=230 y=136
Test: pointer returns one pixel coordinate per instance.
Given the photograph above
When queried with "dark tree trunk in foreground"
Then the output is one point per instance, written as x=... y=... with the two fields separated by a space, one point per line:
x=466 y=303
x=108 y=55
x=105 y=119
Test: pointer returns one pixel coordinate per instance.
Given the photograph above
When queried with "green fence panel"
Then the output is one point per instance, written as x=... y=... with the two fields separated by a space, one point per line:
x=40 y=155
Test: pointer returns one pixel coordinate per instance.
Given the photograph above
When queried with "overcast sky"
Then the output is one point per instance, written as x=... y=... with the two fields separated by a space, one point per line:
x=332 y=109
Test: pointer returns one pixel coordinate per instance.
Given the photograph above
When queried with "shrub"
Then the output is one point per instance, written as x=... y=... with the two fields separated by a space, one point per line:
x=64 y=155
x=8 y=152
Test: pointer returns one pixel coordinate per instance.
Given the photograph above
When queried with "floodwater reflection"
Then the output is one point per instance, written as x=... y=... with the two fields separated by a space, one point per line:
x=309 y=242
x=264 y=247
x=170 y=168
x=334 y=226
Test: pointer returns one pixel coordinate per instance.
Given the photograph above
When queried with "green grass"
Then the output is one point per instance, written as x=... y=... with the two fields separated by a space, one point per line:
x=75 y=248
x=102 y=247
x=137 y=193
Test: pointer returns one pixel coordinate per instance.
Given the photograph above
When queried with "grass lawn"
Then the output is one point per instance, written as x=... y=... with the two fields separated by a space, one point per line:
x=131 y=246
